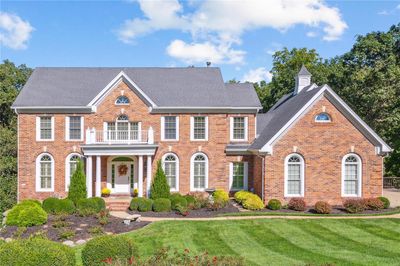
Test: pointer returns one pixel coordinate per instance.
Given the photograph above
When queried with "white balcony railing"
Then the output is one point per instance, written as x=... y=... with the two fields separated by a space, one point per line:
x=94 y=136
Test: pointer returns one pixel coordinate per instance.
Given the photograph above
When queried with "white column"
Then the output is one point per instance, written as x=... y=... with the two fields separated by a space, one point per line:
x=89 y=176
x=140 y=176
x=98 y=176
x=148 y=176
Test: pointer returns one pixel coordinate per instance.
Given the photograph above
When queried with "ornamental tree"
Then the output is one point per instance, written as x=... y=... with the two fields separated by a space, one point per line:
x=77 y=188
x=160 y=187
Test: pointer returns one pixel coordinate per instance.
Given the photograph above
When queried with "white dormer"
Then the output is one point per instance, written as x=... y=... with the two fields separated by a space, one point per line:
x=303 y=79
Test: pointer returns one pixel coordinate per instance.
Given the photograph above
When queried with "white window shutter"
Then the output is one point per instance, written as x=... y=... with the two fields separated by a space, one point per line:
x=230 y=176
x=177 y=128
x=38 y=128
x=67 y=128
x=246 y=176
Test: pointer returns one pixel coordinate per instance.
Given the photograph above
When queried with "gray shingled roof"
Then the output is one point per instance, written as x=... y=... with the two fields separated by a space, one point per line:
x=167 y=87
x=304 y=71
x=270 y=123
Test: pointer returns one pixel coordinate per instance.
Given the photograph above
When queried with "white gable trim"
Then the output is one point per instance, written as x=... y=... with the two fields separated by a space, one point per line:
x=385 y=148
x=120 y=77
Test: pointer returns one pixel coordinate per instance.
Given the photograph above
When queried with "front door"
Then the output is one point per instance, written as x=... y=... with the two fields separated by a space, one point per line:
x=122 y=177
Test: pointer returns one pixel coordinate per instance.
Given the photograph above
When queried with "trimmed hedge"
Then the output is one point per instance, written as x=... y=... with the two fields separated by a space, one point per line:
x=253 y=202
x=386 y=202
x=99 y=249
x=87 y=206
x=145 y=205
x=101 y=204
x=26 y=214
x=36 y=251
x=134 y=205
x=58 y=206
x=162 y=205
x=178 y=200
x=297 y=204
x=274 y=204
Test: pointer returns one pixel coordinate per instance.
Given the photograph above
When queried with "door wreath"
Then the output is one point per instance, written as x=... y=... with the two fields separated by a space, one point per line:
x=122 y=169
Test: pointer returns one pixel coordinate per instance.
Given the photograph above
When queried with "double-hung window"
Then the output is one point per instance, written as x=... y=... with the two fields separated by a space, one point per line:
x=238 y=131
x=199 y=172
x=199 y=128
x=44 y=173
x=171 y=169
x=169 y=128
x=45 y=128
x=351 y=176
x=294 y=176
x=74 y=128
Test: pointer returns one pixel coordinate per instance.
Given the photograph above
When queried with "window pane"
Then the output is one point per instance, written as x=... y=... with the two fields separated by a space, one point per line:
x=45 y=127
x=75 y=127
x=45 y=174
x=239 y=128
x=134 y=130
x=122 y=100
x=170 y=127
x=170 y=172
x=238 y=176
x=199 y=174
x=294 y=178
x=351 y=178
x=199 y=127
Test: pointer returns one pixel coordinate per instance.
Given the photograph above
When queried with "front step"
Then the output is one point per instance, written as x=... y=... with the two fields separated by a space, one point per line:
x=117 y=204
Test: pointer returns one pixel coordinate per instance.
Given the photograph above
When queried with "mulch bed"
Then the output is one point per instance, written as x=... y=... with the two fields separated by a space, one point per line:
x=81 y=226
x=335 y=210
x=200 y=213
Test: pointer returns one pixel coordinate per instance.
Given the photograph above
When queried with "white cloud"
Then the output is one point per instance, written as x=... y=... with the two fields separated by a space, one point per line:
x=383 y=13
x=257 y=75
x=14 y=32
x=311 y=34
x=215 y=23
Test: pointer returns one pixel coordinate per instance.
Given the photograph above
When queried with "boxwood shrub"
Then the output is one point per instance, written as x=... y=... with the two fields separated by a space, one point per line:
x=145 y=205
x=26 y=214
x=36 y=251
x=162 y=205
x=178 y=200
x=134 y=205
x=58 y=206
x=101 y=204
x=274 y=204
x=87 y=207
x=253 y=202
x=102 y=248
x=31 y=201
x=386 y=202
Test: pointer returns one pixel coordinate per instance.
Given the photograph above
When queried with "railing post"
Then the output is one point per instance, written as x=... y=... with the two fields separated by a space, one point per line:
x=88 y=140
x=93 y=133
x=150 y=136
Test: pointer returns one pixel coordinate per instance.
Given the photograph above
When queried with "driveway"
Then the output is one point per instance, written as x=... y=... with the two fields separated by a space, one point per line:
x=393 y=195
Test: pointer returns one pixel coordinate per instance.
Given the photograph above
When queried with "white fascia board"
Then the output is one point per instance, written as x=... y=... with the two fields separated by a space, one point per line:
x=121 y=76
x=385 y=146
x=268 y=146
x=204 y=109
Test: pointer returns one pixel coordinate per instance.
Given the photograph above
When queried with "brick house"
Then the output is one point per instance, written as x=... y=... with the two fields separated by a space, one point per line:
x=207 y=134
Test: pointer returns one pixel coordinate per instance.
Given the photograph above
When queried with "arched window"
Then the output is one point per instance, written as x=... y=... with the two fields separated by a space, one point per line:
x=171 y=169
x=122 y=100
x=70 y=166
x=351 y=176
x=294 y=176
x=44 y=172
x=198 y=172
x=322 y=118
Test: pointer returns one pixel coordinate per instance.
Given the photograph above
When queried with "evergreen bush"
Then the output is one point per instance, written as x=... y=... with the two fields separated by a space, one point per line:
x=77 y=187
x=26 y=214
x=386 y=202
x=160 y=187
x=162 y=205
x=274 y=204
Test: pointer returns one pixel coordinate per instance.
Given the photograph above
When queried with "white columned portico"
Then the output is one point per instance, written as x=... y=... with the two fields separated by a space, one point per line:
x=98 y=176
x=148 y=176
x=140 y=176
x=89 y=178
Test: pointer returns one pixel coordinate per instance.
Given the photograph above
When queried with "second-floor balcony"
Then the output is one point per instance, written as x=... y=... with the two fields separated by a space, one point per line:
x=94 y=136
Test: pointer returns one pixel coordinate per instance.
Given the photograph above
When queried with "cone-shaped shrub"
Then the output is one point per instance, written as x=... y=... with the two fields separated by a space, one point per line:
x=160 y=187
x=77 y=187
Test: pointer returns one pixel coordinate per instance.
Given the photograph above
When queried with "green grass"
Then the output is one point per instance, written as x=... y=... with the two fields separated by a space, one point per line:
x=280 y=241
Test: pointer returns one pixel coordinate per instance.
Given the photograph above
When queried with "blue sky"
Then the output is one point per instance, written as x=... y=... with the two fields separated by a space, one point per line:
x=237 y=36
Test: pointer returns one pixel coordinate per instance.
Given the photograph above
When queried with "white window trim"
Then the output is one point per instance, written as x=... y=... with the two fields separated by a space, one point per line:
x=38 y=188
x=302 y=178
x=38 y=128
x=177 y=170
x=176 y=125
x=67 y=129
x=192 y=172
x=122 y=103
x=359 y=177
x=246 y=128
x=323 y=121
x=192 y=128
x=67 y=169
x=245 y=176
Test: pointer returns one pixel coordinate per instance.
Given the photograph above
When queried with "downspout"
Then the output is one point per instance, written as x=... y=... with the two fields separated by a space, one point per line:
x=16 y=112
x=262 y=176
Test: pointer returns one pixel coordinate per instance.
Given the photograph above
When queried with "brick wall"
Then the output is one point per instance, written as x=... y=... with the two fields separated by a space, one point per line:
x=323 y=146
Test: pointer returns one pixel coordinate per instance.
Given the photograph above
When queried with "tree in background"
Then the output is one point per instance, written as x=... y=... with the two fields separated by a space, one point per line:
x=77 y=187
x=12 y=79
x=160 y=187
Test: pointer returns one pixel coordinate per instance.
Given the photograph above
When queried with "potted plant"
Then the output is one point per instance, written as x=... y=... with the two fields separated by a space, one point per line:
x=135 y=193
x=105 y=192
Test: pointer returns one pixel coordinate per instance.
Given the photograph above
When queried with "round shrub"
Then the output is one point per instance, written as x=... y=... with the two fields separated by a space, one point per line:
x=354 y=205
x=374 y=204
x=36 y=251
x=253 y=202
x=87 y=206
x=31 y=201
x=162 y=205
x=134 y=205
x=49 y=204
x=297 y=204
x=386 y=202
x=99 y=249
x=240 y=196
x=145 y=205
x=274 y=204
x=191 y=200
x=26 y=215
x=175 y=201
x=322 y=207
x=221 y=196
x=58 y=206
x=101 y=204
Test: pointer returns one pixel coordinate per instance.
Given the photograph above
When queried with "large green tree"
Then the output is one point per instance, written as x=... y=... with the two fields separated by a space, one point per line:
x=12 y=79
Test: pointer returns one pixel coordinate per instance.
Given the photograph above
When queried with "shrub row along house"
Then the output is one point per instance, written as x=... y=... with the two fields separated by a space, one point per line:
x=208 y=134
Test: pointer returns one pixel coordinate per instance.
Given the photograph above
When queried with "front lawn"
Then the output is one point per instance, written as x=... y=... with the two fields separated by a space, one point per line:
x=280 y=241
